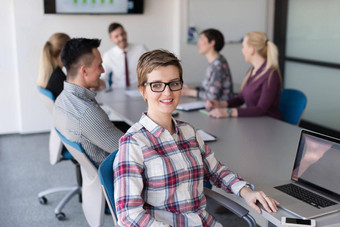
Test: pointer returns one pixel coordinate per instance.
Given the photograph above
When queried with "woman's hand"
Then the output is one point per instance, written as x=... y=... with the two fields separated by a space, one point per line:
x=251 y=197
x=211 y=104
x=219 y=113
x=188 y=91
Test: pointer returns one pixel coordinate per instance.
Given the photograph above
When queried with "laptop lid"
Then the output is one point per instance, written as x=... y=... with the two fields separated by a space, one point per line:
x=317 y=163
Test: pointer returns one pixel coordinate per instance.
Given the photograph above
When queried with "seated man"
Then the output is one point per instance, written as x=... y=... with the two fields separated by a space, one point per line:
x=77 y=114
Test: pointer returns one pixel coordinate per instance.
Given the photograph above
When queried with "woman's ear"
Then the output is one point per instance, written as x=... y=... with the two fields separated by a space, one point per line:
x=141 y=90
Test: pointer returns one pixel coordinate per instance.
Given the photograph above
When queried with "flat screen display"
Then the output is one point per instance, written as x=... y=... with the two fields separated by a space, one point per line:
x=318 y=162
x=93 y=6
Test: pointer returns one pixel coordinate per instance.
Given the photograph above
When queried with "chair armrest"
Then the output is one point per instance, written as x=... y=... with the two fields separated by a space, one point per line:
x=234 y=207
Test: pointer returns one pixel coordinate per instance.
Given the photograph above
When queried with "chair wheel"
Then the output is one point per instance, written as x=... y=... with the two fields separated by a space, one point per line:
x=61 y=216
x=42 y=200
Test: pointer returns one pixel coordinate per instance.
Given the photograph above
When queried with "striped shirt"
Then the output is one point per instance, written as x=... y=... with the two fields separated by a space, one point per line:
x=158 y=177
x=79 y=118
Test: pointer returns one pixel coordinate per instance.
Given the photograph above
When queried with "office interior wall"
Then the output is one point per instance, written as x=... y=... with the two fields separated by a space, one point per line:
x=9 y=122
x=194 y=64
x=25 y=31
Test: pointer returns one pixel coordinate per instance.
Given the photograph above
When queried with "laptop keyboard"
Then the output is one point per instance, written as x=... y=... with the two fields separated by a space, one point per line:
x=305 y=195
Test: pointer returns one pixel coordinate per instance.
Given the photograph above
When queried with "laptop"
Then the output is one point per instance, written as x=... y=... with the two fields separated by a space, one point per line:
x=314 y=188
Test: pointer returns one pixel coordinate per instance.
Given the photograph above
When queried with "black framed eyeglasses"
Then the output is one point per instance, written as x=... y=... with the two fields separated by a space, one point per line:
x=160 y=86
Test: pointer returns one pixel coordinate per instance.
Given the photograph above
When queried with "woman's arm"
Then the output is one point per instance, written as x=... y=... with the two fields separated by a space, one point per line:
x=128 y=185
x=221 y=176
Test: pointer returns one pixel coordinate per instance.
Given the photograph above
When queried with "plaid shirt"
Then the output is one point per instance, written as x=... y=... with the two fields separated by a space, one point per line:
x=158 y=177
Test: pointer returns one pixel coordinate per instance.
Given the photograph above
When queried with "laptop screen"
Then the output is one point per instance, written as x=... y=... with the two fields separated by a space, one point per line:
x=317 y=162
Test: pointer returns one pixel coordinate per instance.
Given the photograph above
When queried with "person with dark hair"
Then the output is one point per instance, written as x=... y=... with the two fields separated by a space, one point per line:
x=76 y=113
x=218 y=84
x=121 y=60
x=51 y=75
x=162 y=162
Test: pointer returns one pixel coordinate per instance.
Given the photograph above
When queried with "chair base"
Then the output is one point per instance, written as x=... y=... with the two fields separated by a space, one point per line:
x=72 y=191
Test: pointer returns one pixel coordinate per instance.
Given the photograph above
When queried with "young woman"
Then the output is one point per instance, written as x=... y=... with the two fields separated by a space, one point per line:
x=161 y=162
x=51 y=76
x=260 y=90
x=217 y=84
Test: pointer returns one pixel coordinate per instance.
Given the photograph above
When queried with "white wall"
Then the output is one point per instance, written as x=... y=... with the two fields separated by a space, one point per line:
x=194 y=64
x=25 y=29
x=9 y=117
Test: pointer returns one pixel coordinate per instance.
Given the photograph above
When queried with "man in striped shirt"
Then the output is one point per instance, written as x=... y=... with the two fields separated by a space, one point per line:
x=77 y=114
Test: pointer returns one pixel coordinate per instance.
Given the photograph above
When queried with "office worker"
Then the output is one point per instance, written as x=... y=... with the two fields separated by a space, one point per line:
x=77 y=114
x=260 y=90
x=121 y=60
x=217 y=84
x=161 y=162
x=51 y=75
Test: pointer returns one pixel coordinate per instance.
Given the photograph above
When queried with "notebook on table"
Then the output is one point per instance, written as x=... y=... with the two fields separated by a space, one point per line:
x=314 y=188
x=190 y=106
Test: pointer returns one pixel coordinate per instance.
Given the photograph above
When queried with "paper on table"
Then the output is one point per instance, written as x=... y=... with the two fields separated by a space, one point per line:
x=191 y=106
x=206 y=136
x=132 y=93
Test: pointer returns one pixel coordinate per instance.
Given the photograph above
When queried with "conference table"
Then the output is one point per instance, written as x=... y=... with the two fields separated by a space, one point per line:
x=260 y=149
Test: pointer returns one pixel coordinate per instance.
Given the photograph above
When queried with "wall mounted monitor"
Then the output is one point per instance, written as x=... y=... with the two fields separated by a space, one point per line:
x=93 y=6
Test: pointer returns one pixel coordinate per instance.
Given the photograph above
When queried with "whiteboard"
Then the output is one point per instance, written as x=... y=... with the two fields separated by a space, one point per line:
x=234 y=18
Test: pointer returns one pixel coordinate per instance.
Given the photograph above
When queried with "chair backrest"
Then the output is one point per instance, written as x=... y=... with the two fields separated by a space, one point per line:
x=105 y=172
x=292 y=104
x=93 y=197
x=47 y=97
x=55 y=144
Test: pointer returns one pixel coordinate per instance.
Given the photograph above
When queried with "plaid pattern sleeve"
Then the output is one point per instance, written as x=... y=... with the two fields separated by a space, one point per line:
x=158 y=177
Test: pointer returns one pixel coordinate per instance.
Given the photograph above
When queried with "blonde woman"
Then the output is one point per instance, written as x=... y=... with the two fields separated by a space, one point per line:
x=51 y=76
x=260 y=90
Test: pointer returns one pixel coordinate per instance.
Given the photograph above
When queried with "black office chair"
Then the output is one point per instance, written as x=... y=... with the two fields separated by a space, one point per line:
x=58 y=153
x=105 y=172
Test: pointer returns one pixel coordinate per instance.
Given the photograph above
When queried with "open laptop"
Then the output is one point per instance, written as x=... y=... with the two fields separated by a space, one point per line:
x=316 y=170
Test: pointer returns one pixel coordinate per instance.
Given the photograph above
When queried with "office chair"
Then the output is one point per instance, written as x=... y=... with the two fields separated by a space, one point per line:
x=58 y=153
x=105 y=172
x=292 y=104
x=92 y=195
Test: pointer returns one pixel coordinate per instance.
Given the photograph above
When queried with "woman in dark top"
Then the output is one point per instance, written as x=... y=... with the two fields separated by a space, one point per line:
x=51 y=76
x=217 y=84
x=260 y=90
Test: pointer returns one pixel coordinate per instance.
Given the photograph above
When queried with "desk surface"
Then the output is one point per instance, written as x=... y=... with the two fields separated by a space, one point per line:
x=261 y=149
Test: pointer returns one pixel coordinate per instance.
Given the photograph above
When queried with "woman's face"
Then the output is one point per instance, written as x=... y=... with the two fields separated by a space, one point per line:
x=247 y=50
x=165 y=102
x=203 y=44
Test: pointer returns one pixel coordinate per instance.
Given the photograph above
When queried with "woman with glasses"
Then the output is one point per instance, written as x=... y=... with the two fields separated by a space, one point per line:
x=260 y=90
x=218 y=84
x=161 y=162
